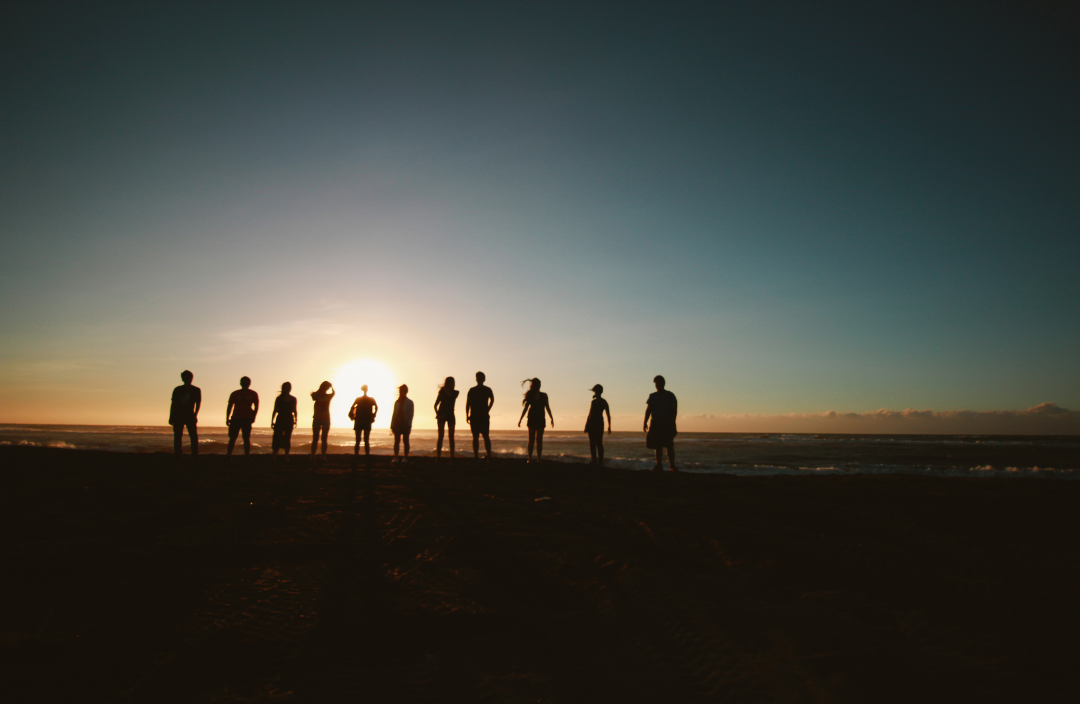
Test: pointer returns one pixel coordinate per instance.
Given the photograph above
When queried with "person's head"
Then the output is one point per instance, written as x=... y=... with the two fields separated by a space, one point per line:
x=364 y=389
x=324 y=387
x=403 y=390
x=244 y=382
x=480 y=377
x=186 y=376
x=286 y=387
x=597 y=390
x=659 y=381
x=534 y=387
x=448 y=384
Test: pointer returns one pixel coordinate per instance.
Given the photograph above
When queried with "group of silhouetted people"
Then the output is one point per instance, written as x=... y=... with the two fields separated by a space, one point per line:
x=661 y=409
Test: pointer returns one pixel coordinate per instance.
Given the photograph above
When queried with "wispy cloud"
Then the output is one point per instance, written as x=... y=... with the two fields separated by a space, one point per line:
x=1043 y=419
x=258 y=339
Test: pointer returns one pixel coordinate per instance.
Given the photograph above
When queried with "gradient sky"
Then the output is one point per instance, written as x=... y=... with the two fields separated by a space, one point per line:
x=783 y=208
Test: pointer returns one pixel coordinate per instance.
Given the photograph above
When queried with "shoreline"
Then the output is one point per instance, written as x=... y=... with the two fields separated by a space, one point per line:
x=145 y=579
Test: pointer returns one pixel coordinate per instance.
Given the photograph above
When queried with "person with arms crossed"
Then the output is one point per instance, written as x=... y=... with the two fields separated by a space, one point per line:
x=240 y=414
x=184 y=413
x=478 y=403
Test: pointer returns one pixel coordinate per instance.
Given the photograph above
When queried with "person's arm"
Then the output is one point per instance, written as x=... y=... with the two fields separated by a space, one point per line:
x=468 y=407
x=524 y=410
x=294 y=414
x=607 y=410
x=547 y=405
x=198 y=402
x=274 y=416
x=256 y=408
x=228 y=410
x=491 y=400
x=648 y=412
x=438 y=399
x=374 y=409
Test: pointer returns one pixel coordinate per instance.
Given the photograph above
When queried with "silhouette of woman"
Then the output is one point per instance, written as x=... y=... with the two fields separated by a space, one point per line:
x=283 y=420
x=321 y=422
x=444 y=414
x=594 y=424
x=535 y=403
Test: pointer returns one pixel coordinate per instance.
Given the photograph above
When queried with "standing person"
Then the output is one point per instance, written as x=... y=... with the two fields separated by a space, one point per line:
x=184 y=413
x=594 y=424
x=283 y=420
x=478 y=403
x=362 y=413
x=444 y=414
x=320 y=423
x=535 y=403
x=662 y=406
x=401 y=421
x=240 y=414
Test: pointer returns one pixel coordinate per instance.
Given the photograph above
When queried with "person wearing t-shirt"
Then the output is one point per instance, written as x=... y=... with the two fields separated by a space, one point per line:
x=184 y=413
x=401 y=421
x=444 y=414
x=662 y=407
x=594 y=424
x=363 y=413
x=283 y=420
x=320 y=424
x=240 y=414
x=534 y=404
x=478 y=403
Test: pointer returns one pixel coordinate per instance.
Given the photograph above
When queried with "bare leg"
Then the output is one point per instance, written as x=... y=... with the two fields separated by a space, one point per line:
x=532 y=442
x=178 y=439
x=246 y=430
x=193 y=437
x=367 y=441
x=314 y=439
x=438 y=444
x=659 y=459
x=356 y=447
x=592 y=449
x=600 y=451
x=397 y=443
x=451 y=425
x=405 y=440
x=325 y=433
x=487 y=445
x=539 y=443
x=476 y=446
x=671 y=456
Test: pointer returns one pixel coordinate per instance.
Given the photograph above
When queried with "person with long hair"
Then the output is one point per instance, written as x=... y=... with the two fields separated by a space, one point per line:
x=320 y=424
x=444 y=414
x=401 y=421
x=594 y=424
x=283 y=420
x=534 y=404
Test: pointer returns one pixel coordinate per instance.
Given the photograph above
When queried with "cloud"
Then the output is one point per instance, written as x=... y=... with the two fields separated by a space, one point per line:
x=1043 y=419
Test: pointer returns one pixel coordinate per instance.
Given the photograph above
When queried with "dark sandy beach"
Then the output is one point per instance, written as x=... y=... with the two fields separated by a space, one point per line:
x=132 y=577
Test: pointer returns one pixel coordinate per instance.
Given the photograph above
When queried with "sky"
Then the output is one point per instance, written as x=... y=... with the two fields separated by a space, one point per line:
x=787 y=209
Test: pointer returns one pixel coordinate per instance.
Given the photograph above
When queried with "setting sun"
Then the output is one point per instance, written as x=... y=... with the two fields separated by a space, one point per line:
x=381 y=383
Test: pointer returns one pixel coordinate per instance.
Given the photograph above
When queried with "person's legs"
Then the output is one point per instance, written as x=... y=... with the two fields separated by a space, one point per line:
x=539 y=443
x=397 y=444
x=451 y=423
x=234 y=431
x=193 y=437
x=356 y=447
x=659 y=459
x=405 y=440
x=286 y=441
x=367 y=440
x=438 y=443
x=592 y=448
x=325 y=433
x=487 y=445
x=315 y=437
x=245 y=429
x=275 y=442
x=532 y=442
x=178 y=438
x=671 y=456
x=476 y=444
x=600 y=449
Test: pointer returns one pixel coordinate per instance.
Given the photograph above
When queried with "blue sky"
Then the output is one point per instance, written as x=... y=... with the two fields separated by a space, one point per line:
x=784 y=209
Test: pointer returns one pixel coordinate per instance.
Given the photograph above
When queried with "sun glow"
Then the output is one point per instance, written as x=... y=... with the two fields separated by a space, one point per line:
x=381 y=383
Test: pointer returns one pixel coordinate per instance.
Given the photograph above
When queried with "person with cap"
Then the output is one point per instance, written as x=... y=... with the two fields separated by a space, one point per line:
x=401 y=421
x=240 y=414
x=594 y=425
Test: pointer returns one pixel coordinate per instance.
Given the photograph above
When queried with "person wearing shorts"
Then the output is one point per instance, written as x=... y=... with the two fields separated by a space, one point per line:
x=184 y=413
x=362 y=413
x=283 y=420
x=478 y=403
x=240 y=414
x=534 y=404
x=662 y=407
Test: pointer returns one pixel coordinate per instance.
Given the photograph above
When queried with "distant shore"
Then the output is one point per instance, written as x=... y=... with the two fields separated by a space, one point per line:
x=139 y=577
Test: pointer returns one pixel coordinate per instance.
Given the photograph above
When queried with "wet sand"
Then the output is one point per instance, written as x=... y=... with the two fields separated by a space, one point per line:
x=135 y=578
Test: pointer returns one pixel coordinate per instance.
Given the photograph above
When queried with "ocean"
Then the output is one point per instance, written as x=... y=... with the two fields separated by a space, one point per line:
x=723 y=453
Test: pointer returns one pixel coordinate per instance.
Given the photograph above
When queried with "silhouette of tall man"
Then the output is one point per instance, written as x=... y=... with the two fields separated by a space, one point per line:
x=240 y=414
x=663 y=407
x=184 y=413
x=478 y=405
x=362 y=413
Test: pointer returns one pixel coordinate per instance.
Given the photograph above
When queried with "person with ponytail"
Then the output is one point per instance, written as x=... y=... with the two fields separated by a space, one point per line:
x=534 y=404
x=444 y=414
x=321 y=421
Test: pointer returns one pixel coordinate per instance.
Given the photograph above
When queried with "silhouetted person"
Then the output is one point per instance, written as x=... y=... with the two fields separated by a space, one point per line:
x=363 y=413
x=401 y=421
x=478 y=403
x=594 y=424
x=283 y=420
x=184 y=413
x=535 y=403
x=240 y=414
x=320 y=423
x=444 y=414
x=662 y=407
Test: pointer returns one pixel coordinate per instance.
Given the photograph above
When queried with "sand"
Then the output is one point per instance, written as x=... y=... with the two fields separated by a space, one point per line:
x=136 y=578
